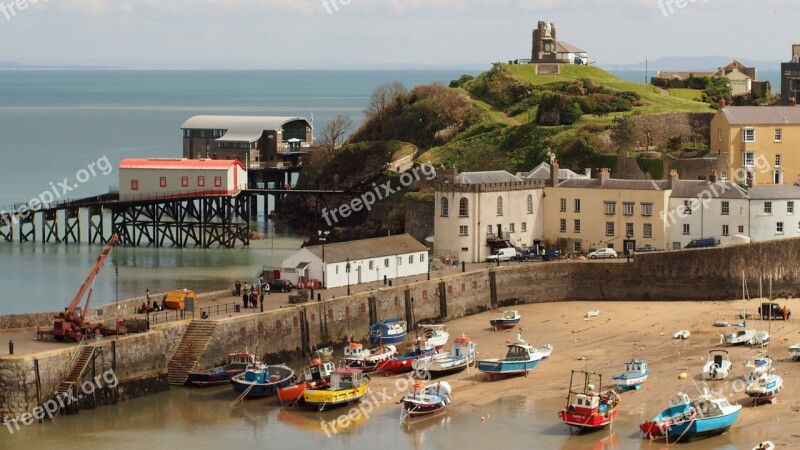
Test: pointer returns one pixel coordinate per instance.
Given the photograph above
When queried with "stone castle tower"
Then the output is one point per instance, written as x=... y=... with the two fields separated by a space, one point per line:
x=544 y=42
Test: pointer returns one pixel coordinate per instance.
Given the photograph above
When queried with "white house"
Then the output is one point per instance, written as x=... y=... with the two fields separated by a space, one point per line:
x=700 y=208
x=570 y=54
x=772 y=212
x=156 y=178
x=369 y=260
x=476 y=212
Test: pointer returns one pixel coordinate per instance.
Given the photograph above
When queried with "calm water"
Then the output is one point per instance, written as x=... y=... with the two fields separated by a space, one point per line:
x=54 y=124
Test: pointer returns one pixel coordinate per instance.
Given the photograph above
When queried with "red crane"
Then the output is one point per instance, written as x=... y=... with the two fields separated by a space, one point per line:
x=71 y=324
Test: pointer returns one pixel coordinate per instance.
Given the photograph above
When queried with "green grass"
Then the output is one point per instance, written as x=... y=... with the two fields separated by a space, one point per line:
x=654 y=101
x=492 y=114
x=688 y=94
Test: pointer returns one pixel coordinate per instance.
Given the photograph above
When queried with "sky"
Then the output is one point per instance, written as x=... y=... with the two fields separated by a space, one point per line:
x=285 y=34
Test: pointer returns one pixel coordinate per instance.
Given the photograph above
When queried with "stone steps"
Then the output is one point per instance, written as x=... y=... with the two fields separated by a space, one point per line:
x=75 y=374
x=193 y=343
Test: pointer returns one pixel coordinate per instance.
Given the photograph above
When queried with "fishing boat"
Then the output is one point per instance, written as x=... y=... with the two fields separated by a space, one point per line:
x=261 y=380
x=739 y=337
x=687 y=419
x=368 y=360
x=315 y=376
x=794 y=350
x=424 y=400
x=437 y=335
x=347 y=386
x=586 y=408
x=520 y=358
x=390 y=331
x=718 y=366
x=404 y=363
x=508 y=320
x=635 y=375
x=324 y=354
x=237 y=363
x=459 y=358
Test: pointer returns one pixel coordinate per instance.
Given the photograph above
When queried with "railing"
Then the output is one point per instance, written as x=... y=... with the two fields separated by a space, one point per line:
x=171 y=315
x=219 y=309
x=184 y=193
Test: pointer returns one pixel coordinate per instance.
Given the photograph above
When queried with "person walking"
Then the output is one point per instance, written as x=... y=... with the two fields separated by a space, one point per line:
x=238 y=287
x=245 y=298
x=266 y=288
x=254 y=300
x=252 y=288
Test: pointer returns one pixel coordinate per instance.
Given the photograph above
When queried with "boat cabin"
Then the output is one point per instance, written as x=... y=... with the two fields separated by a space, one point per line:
x=462 y=346
x=318 y=370
x=635 y=367
x=422 y=345
x=346 y=378
x=679 y=399
x=519 y=352
x=354 y=350
x=242 y=358
x=510 y=315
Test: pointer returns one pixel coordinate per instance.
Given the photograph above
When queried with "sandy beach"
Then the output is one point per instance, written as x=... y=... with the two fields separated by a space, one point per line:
x=632 y=329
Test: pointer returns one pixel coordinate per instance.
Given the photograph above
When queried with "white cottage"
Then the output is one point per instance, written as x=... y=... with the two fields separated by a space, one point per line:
x=772 y=212
x=700 y=208
x=369 y=260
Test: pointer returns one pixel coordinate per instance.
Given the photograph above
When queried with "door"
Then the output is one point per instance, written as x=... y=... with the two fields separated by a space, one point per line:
x=629 y=245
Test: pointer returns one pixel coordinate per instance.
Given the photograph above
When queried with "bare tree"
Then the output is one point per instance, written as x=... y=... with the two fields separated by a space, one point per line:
x=333 y=132
x=382 y=97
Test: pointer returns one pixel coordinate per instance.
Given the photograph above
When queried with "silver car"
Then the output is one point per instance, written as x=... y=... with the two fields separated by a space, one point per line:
x=603 y=253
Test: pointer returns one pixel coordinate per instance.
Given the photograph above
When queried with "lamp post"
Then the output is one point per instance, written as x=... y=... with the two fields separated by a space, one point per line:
x=323 y=235
x=347 y=269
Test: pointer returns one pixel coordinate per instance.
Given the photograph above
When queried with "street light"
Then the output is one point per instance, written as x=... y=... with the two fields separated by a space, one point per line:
x=323 y=235
x=347 y=269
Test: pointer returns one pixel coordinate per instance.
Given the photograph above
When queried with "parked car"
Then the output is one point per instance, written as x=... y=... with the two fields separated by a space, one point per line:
x=702 y=242
x=646 y=248
x=502 y=254
x=280 y=286
x=603 y=253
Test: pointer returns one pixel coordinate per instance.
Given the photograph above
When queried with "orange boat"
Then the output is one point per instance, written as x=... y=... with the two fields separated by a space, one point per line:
x=316 y=375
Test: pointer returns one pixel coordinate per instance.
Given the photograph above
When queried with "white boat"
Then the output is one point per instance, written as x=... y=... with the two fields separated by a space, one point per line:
x=635 y=374
x=592 y=313
x=682 y=334
x=765 y=387
x=461 y=357
x=437 y=335
x=739 y=337
x=546 y=350
x=356 y=356
x=423 y=400
x=760 y=339
x=754 y=367
x=718 y=366
x=766 y=445
x=721 y=323
x=794 y=350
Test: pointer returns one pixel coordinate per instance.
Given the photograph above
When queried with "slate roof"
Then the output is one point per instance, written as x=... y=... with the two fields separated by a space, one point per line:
x=612 y=183
x=774 y=192
x=496 y=176
x=761 y=115
x=719 y=189
x=368 y=248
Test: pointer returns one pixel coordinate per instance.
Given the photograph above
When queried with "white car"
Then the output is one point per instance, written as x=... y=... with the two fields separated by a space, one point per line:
x=603 y=253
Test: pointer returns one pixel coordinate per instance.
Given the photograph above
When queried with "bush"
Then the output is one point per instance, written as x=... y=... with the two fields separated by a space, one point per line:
x=461 y=80
x=570 y=114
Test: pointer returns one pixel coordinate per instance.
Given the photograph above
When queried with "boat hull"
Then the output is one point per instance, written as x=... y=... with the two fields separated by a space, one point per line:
x=207 y=378
x=399 y=365
x=501 y=367
x=417 y=409
x=682 y=424
x=504 y=324
x=588 y=422
x=379 y=339
x=324 y=398
x=258 y=389
x=628 y=384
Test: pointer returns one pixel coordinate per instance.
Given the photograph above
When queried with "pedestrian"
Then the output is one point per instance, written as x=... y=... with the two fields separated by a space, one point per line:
x=266 y=288
x=245 y=298
x=238 y=286
x=252 y=288
x=254 y=300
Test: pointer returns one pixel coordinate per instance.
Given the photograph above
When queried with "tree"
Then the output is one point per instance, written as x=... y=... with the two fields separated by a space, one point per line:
x=382 y=97
x=626 y=134
x=333 y=132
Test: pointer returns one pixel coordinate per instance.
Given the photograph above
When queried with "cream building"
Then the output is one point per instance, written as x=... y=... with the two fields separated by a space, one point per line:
x=761 y=142
x=604 y=212
x=479 y=211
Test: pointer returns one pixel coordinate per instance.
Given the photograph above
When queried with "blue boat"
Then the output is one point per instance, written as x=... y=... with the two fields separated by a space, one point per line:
x=390 y=331
x=520 y=358
x=687 y=420
x=261 y=380
x=635 y=375
x=237 y=363
x=508 y=320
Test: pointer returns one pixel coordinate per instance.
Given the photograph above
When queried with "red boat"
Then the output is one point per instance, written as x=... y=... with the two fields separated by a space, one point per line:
x=317 y=375
x=586 y=408
x=403 y=363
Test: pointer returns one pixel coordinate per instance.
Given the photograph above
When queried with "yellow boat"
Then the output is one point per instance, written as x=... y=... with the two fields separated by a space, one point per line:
x=347 y=386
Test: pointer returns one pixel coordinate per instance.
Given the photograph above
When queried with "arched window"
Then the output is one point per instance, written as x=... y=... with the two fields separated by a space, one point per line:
x=463 y=207
x=499 y=206
x=530 y=204
x=445 y=207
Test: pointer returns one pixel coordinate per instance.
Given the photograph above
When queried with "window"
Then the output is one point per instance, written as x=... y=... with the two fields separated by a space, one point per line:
x=371 y=265
x=741 y=229
x=647 y=209
x=411 y=259
x=789 y=207
x=399 y=261
x=628 y=208
x=337 y=269
x=201 y=181
x=576 y=246
x=563 y=205
x=778 y=134
x=422 y=257
x=530 y=204
x=777 y=160
x=511 y=228
x=489 y=229
x=577 y=226
x=577 y=205
x=162 y=181
x=748 y=159
x=648 y=230
x=725 y=231
x=134 y=185
x=609 y=228
x=444 y=207
x=687 y=207
x=767 y=207
x=686 y=229
x=726 y=208
x=184 y=181
x=217 y=181
x=749 y=134
x=777 y=177
x=523 y=227
x=779 y=228
x=499 y=206
x=628 y=229
x=386 y=262
x=462 y=230
x=463 y=207
x=562 y=227
x=464 y=249
x=610 y=208
x=676 y=245
x=724 y=175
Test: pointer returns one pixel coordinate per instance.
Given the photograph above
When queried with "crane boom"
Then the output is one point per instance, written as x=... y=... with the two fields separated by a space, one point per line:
x=92 y=275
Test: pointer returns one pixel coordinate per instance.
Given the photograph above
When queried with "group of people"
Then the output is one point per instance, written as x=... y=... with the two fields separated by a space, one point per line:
x=256 y=294
x=148 y=308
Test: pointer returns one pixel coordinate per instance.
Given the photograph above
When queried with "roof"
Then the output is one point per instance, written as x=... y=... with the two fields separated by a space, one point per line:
x=718 y=189
x=774 y=192
x=179 y=163
x=612 y=183
x=495 y=176
x=566 y=47
x=239 y=128
x=542 y=172
x=761 y=115
x=368 y=248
